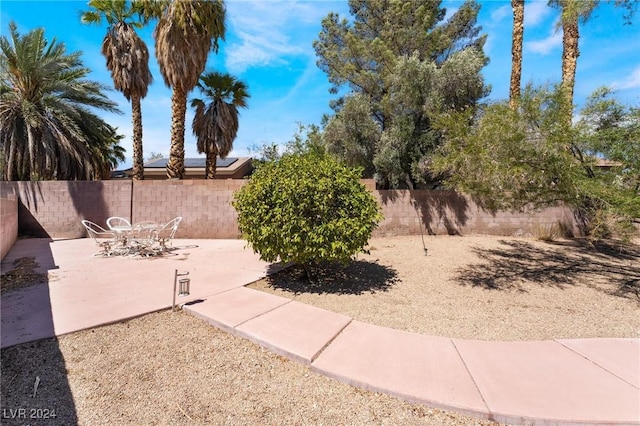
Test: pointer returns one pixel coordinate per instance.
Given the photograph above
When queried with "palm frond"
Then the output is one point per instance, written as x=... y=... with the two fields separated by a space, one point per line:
x=46 y=121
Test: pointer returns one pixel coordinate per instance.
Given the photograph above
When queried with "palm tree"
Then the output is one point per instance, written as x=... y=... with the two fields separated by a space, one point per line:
x=185 y=33
x=127 y=59
x=106 y=147
x=516 y=51
x=215 y=123
x=47 y=130
x=572 y=13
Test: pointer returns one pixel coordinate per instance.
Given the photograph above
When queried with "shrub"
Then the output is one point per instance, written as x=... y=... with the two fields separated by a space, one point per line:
x=306 y=209
x=547 y=232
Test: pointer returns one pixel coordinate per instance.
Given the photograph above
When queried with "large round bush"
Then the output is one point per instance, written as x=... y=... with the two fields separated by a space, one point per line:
x=306 y=209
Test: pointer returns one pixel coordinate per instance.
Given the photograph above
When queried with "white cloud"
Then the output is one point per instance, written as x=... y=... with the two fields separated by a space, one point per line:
x=546 y=45
x=500 y=13
x=535 y=12
x=302 y=83
x=265 y=30
x=632 y=81
x=259 y=49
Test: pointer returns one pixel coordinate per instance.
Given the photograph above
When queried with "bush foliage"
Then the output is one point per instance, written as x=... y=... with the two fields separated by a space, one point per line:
x=306 y=209
x=530 y=157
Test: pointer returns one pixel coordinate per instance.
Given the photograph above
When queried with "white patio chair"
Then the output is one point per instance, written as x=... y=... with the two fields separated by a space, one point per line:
x=104 y=239
x=167 y=232
x=116 y=223
x=121 y=227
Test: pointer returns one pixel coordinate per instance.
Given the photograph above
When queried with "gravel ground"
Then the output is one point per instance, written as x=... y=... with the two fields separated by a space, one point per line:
x=482 y=287
x=169 y=368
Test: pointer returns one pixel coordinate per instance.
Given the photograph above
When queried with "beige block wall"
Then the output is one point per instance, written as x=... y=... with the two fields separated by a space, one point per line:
x=204 y=205
x=446 y=212
x=8 y=223
x=55 y=209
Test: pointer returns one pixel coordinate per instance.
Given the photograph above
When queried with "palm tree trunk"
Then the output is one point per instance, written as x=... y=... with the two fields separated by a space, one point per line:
x=516 y=51
x=212 y=156
x=10 y=161
x=175 y=166
x=138 y=159
x=31 y=138
x=570 y=53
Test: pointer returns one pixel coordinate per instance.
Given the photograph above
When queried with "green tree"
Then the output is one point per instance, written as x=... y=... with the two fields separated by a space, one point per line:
x=215 y=123
x=47 y=129
x=517 y=159
x=127 y=59
x=306 y=209
x=185 y=34
x=373 y=59
x=353 y=134
x=611 y=131
x=105 y=146
x=305 y=140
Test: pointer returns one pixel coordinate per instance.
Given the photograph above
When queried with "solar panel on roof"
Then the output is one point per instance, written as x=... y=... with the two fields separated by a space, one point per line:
x=225 y=162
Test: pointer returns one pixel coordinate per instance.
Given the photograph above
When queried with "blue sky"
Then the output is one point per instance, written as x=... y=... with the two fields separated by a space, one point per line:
x=269 y=47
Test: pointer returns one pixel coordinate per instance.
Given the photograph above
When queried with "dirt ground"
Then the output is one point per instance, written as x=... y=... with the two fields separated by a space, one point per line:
x=169 y=368
x=482 y=287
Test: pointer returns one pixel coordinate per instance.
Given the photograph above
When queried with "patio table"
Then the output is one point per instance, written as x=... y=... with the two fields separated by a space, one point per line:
x=141 y=238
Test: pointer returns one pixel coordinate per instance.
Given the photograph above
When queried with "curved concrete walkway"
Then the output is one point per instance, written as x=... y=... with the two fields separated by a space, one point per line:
x=583 y=381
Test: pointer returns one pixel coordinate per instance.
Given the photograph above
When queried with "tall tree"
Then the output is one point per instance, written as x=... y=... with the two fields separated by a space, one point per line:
x=215 y=123
x=127 y=59
x=185 y=34
x=396 y=61
x=571 y=12
x=516 y=159
x=574 y=12
x=516 y=51
x=106 y=147
x=47 y=130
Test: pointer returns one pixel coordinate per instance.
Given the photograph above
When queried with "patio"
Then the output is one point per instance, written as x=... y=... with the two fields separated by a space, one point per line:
x=125 y=287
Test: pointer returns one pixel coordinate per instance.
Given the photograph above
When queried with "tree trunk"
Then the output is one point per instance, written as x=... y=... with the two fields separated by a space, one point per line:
x=175 y=166
x=516 y=51
x=212 y=156
x=570 y=53
x=31 y=141
x=10 y=161
x=138 y=159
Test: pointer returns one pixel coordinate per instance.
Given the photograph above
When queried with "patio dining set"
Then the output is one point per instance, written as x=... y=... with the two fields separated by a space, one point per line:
x=122 y=238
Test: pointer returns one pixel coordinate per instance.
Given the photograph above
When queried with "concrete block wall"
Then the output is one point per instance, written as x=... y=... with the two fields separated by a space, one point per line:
x=8 y=223
x=447 y=212
x=55 y=209
x=204 y=205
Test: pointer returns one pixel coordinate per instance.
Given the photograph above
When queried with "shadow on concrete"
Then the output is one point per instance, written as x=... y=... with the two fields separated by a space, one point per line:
x=435 y=209
x=33 y=383
x=520 y=262
x=356 y=278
